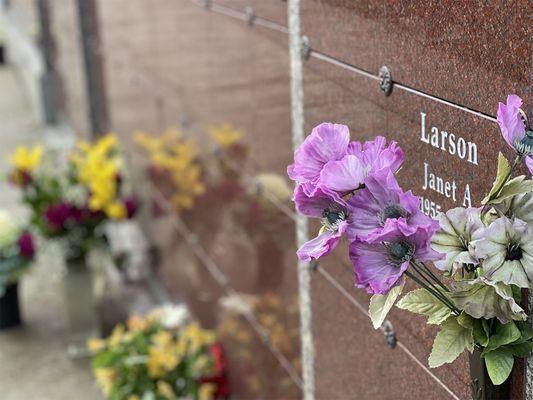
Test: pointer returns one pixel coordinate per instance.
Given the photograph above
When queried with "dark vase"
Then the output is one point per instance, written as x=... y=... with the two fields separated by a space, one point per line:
x=482 y=387
x=9 y=307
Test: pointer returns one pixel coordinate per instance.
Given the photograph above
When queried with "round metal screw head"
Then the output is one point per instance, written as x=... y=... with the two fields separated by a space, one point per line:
x=385 y=80
x=250 y=16
x=306 y=48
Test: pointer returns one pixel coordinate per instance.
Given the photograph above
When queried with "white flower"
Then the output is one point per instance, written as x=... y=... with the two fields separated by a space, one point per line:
x=506 y=251
x=8 y=230
x=172 y=315
x=458 y=227
x=521 y=207
x=483 y=298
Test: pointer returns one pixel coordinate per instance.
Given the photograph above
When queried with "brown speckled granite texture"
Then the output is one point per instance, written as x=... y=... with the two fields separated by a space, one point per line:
x=467 y=52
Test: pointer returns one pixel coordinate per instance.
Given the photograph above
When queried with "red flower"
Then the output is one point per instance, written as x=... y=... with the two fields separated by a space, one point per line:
x=219 y=377
x=26 y=246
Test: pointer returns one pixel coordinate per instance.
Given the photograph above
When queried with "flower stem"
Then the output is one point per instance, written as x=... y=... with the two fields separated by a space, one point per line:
x=428 y=271
x=435 y=292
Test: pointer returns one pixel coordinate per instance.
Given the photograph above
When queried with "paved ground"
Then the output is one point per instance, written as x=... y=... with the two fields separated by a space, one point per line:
x=33 y=360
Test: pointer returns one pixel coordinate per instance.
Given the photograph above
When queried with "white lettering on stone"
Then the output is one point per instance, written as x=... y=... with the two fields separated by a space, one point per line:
x=447 y=141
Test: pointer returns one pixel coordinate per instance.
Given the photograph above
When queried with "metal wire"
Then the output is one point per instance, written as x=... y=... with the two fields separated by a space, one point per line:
x=333 y=61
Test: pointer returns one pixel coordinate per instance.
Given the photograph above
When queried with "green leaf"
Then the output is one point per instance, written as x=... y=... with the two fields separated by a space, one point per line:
x=521 y=350
x=503 y=334
x=499 y=365
x=525 y=331
x=420 y=301
x=450 y=342
x=380 y=305
x=102 y=360
x=481 y=335
x=503 y=170
x=512 y=188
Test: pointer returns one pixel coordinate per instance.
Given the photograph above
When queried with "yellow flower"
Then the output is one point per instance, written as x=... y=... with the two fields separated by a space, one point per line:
x=225 y=135
x=206 y=391
x=97 y=167
x=197 y=338
x=201 y=365
x=160 y=361
x=162 y=339
x=96 y=345
x=116 y=336
x=165 y=390
x=133 y=397
x=104 y=378
x=116 y=210
x=138 y=323
x=25 y=159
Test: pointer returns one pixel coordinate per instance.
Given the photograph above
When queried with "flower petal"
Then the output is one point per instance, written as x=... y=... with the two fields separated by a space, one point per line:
x=509 y=120
x=315 y=204
x=344 y=175
x=326 y=142
x=321 y=245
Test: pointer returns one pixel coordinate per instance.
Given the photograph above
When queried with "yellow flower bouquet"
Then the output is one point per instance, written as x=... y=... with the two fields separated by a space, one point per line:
x=151 y=358
x=70 y=197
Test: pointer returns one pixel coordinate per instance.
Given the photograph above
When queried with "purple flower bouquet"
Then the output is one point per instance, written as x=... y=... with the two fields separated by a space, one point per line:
x=485 y=254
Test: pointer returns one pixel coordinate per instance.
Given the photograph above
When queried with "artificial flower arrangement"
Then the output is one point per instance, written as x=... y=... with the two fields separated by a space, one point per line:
x=484 y=255
x=17 y=250
x=160 y=356
x=174 y=159
x=71 y=197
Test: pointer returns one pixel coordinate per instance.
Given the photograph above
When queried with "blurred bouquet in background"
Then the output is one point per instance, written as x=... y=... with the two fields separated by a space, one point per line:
x=160 y=356
x=71 y=196
x=174 y=160
x=16 y=251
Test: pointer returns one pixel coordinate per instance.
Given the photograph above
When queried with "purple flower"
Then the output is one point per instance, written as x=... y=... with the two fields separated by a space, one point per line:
x=131 y=206
x=381 y=260
x=512 y=125
x=335 y=219
x=56 y=215
x=26 y=246
x=344 y=175
x=327 y=142
x=381 y=200
x=376 y=155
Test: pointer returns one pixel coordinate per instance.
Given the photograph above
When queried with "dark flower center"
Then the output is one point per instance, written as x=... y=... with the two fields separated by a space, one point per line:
x=400 y=251
x=514 y=252
x=332 y=218
x=525 y=147
x=393 y=211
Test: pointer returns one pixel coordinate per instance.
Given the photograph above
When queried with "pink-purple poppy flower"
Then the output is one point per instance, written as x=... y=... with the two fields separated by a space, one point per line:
x=512 y=123
x=381 y=260
x=344 y=175
x=327 y=142
x=26 y=246
x=381 y=200
x=376 y=154
x=332 y=210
